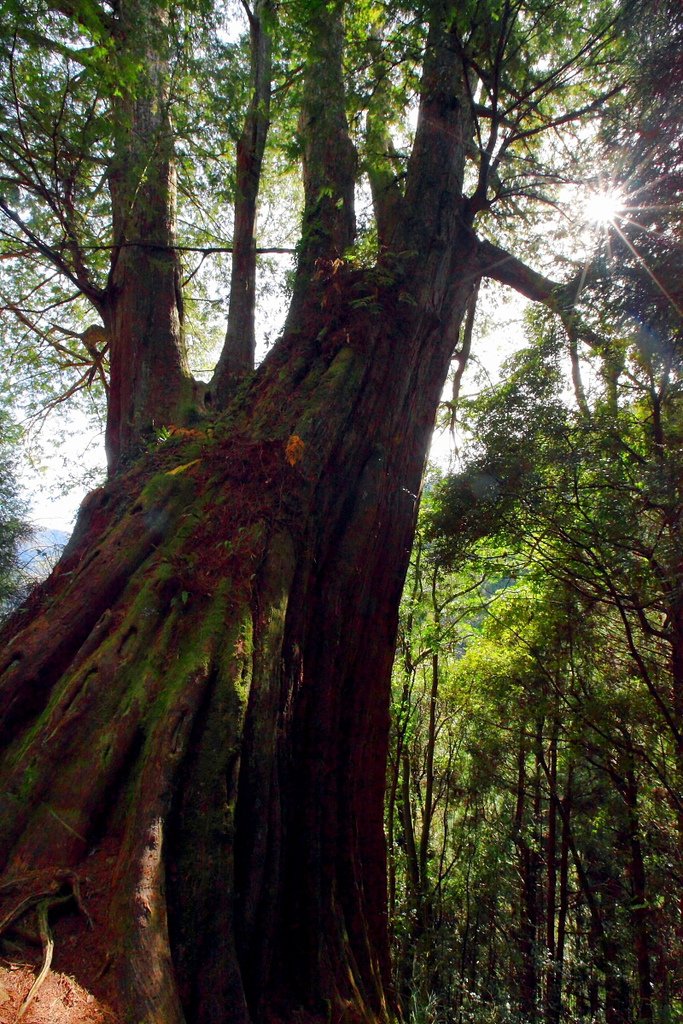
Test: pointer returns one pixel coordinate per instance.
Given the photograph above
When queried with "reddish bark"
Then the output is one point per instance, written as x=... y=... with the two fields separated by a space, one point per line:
x=141 y=305
x=247 y=719
x=237 y=357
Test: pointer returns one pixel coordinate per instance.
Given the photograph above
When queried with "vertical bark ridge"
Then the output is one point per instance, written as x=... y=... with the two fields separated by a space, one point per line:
x=334 y=790
x=329 y=156
x=434 y=187
x=202 y=914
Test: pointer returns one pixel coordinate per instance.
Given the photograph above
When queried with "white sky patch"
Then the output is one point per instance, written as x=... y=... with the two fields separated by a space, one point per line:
x=499 y=331
x=59 y=474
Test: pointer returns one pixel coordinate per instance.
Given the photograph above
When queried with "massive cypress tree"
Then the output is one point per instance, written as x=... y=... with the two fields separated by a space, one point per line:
x=195 y=704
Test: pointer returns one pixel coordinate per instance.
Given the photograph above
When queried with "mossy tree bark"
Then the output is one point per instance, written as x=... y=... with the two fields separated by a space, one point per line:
x=202 y=685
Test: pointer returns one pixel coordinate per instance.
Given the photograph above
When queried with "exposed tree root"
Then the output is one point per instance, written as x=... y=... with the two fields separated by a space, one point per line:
x=48 y=942
x=63 y=888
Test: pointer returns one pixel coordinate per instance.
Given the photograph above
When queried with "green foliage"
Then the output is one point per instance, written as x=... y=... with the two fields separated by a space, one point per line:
x=536 y=706
x=67 y=97
x=559 y=706
x=543 y=729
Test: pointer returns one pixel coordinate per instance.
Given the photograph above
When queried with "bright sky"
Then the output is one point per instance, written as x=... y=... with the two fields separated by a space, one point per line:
x=53 y=504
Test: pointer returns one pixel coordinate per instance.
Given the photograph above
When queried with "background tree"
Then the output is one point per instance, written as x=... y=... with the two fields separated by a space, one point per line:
x=552 y=825
x=90 y=200
x=562 y=692
x=584 y=501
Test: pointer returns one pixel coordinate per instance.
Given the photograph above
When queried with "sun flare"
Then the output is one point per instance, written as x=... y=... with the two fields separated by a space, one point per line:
x=603 y=207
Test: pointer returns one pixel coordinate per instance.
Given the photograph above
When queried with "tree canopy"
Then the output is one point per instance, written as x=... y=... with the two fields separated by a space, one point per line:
x=93 y=93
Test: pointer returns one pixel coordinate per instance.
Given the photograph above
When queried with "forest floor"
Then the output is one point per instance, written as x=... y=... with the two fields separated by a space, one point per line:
x=59 y=1000
x=75 y=989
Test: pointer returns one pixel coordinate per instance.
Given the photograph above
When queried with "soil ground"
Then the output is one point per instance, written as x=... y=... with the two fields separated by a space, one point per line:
x=75 y=990
x=59 y=1000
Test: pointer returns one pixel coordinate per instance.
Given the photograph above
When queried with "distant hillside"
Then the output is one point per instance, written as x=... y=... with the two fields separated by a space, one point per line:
x=41 y=550
x=36 y=558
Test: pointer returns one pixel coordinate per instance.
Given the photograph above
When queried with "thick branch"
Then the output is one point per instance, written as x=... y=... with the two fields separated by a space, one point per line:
x=33 y=37
x=500 y=265
x=88 y=16
x=561 y=299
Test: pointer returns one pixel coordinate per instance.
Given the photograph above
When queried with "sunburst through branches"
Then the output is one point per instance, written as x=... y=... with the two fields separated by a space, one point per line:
x=611 y=212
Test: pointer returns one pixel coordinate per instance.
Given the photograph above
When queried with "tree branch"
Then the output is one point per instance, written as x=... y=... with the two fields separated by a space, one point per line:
x=33 y=37
x=561 y=299
x=88 y=16
x=502 y=266
x=209 y=250
x=96 y=295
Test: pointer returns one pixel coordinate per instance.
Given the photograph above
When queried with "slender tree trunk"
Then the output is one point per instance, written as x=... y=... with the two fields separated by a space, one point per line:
x=640 y=912
x=237 y=357
x=396 y=796
x=607 y=954
x=617 y=1003
x=395 y=762
x=412 y=859
x=429 y=806
x=676 y=627
x=556 y=908
x=551 y=881
x=150 y=385
x=529 y=870
x=555 y=999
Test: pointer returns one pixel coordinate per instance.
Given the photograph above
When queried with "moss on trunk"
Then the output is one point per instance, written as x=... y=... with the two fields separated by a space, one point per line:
x=198 y=696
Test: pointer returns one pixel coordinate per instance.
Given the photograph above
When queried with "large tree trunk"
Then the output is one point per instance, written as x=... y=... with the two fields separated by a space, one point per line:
x=195 y=705
x=200 y=691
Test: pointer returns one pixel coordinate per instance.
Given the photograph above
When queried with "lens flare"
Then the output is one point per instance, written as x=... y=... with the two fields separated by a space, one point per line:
x=603 y=207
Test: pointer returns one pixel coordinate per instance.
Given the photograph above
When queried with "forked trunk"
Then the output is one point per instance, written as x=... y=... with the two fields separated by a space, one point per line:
x=195 y=705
